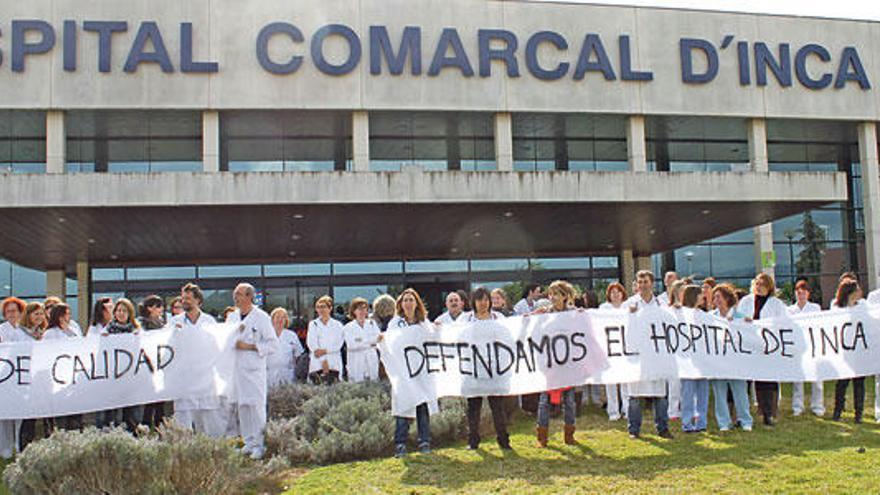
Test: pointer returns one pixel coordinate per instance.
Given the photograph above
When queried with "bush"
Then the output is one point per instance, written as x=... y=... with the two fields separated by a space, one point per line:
x=174 y=461
x=347 y=421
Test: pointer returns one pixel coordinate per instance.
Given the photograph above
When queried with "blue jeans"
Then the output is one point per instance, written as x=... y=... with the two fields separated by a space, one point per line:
x=694 y=404
x=423 y=425
x=740 y=402
x=568 y=408
x=661 y=413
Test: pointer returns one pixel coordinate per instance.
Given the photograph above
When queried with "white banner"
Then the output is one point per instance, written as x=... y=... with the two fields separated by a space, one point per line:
x=72 y=376
x=536 y=353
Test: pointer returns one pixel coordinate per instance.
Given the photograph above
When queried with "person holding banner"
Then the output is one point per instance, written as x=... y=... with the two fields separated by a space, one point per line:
x=152 y=317
x=724 y=300
x=481 y=304
x=282 y=363
x=694 y=392
x=203 y=414
x=499 y=302
x=32 y=325
x=410 y=311
x=60 y=328
x=361 y=335
x=11 y=308
x=125 y=322
x=325 y=340
x=615 y=296
x=849 y=294
x=803 y=305
x=874 y=299
x=562 y=296
x=653 y=391
x=761 y=304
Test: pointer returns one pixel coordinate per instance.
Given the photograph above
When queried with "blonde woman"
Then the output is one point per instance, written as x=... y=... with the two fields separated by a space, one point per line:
x=562 y=295
x=384 y=307
x=32 y=326
x=411 y=312
x=12 y=309
x=281 y=364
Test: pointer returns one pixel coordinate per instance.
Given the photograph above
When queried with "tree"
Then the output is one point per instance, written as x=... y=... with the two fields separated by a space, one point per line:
x=809 y=262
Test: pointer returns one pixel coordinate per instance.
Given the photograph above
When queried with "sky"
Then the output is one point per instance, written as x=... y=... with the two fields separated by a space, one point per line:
x=844 y=9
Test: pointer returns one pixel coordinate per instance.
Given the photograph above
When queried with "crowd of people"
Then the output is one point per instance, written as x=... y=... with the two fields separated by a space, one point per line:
x=337 y=347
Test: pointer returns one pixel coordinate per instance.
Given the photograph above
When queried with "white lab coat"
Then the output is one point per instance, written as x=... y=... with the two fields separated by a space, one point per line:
x=328 y=336
x=522 y=307
x=663 y=299
x=874 y=297
x=360 y=345
x=797 y=388
x=810 y=307
x=448 y=319
x=251 y=380
x=282 y=363
x=647 y=388
x=773 y=308
x=55 y=333
x=8 y=334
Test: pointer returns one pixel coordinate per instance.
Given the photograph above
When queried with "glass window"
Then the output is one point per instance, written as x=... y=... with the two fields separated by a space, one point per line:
x=285 y=141
x=27 y=282
x=297 y=269
x=499 y=265
x=562 y=263
x=731 y=261
x=436 y=266
x=134 y=141
x=216 y=300
x=22 y=142
x=5 y=279
x=162 y=273
x=577 y=142
x=108 y=274
x=697 y=144
x=367 y=267
x=233 y=271
x=432 y=141
x=343 y=294
x=693 y=261
x=605 y=262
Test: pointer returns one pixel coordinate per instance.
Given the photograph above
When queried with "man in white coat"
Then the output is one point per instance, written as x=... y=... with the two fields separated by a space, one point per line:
x=255 y=340
x=204 y=414
x=454 y=310
x=653 y=391
x=803 y=305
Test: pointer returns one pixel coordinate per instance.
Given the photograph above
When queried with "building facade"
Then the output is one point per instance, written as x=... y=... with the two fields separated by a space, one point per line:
x=355 y=147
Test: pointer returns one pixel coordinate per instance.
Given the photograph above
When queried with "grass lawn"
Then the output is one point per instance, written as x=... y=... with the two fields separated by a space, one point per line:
x=799 y=455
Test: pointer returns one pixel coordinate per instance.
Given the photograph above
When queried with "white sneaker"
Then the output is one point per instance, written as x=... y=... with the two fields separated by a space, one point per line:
x=747 y=428
x=797 y=413
x=726 y=428
x=616 y=417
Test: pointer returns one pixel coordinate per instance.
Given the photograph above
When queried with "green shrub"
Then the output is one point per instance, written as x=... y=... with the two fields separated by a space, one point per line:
x=346 y=421
x=174 y=461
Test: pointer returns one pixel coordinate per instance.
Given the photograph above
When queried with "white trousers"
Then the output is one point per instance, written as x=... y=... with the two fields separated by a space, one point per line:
x=211 y=422
x=877 y=397
x=7 y=438
x=251 y=423
x=817 y=404
x=674 y=409
x=614 y=393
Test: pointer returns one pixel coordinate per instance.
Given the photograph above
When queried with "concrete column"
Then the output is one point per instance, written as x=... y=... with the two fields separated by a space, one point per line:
x=636 y=153
x=84 y=293
x=627 y=268
x=504 y=141
x=756 y=129
x=643 y=263
x=210 y=141
x=360 y=140
x=56 y=142
x=871 y=196
x=55 y=284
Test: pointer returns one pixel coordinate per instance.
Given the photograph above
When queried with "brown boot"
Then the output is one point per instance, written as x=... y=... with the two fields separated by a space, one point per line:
x=569 y=435
x=542 y=436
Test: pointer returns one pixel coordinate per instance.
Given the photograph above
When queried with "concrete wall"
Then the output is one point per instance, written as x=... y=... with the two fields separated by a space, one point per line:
x=413 y=186
x=225 y=31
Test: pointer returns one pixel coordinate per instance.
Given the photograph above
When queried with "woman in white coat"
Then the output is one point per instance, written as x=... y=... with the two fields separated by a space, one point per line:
x=361 y=335
x=12 y=308
x=762 y=304
x=325 y=344
x=615 y=296
x=60 y=328
x=282 y=362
